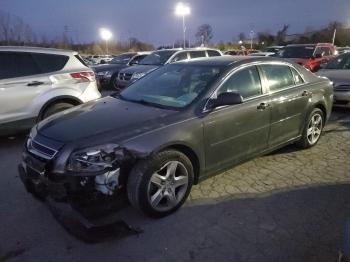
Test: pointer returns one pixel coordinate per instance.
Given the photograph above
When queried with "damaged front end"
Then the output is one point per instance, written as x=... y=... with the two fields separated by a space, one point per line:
x=93 y=182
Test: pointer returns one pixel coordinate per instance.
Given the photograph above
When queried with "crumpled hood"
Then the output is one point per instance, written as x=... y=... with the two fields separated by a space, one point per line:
x=339 y=77
x=139 y=69
x=117 y=118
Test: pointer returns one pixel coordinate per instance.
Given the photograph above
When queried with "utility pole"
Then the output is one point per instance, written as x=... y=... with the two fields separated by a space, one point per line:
x=334 y=34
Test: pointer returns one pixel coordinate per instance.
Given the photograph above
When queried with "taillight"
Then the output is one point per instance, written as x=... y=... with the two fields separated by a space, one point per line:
x=86 y=76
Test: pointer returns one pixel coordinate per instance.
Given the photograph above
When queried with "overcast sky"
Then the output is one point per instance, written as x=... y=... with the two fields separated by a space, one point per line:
x=154 y=20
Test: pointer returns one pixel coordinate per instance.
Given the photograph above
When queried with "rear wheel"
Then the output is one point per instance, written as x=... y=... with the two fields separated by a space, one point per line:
x=313 y=129
x=55 y=108
x=160 y=185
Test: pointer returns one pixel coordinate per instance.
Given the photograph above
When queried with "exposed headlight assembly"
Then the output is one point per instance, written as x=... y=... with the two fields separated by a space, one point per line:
x=94 y=159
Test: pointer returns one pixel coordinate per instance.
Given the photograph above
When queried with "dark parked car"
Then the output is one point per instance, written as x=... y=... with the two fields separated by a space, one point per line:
x=311 y=56
x=173 y=128
x=108 y=73
x=158 y=59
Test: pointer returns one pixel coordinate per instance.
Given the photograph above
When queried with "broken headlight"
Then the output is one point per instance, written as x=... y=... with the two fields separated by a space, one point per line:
x=94 y=159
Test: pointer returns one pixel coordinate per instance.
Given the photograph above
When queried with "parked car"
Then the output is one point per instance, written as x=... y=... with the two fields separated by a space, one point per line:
x=338 y=71
x=274 y=49
x=108 y=73
x=262 y=54
x=173 y=128
x=311 y=56
x=101 y=59
x=160 y=58
x=234 y=52
x=38 y=82
x=342 y=50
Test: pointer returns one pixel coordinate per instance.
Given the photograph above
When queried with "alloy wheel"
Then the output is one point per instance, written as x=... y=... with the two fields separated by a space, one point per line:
x=168 y=186
x=314 y=129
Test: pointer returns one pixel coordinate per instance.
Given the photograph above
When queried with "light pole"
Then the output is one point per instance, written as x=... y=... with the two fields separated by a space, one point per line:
x=106 y=35
x=182 y=9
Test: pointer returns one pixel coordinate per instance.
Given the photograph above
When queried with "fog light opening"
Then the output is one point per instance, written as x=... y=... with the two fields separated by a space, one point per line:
x=107 y=182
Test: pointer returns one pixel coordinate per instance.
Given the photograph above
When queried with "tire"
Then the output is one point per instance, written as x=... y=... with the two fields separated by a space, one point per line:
x=311 y=129
x=113 y=83
x=152 y=191
x=55 y=108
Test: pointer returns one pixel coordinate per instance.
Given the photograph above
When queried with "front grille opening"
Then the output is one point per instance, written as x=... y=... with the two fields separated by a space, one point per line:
x=41 y=150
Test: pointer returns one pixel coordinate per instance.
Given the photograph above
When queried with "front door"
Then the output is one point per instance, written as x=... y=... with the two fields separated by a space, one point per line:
x=233 y=133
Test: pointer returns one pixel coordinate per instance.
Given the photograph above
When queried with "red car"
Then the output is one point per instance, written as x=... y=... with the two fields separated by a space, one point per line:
x=311 y=56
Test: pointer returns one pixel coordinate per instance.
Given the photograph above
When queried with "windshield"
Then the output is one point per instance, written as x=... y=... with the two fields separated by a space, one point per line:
x=157 y=58
x=173 y=86
x=297 y=52
x=122 y=59
x=340 y=62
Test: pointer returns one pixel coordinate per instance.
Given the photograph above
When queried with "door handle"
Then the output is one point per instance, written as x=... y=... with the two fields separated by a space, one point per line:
x=263 y=106
x=35 y=83
x=306 y=93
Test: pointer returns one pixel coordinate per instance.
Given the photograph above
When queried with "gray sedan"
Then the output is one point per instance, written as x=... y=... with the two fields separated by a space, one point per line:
x=338 y=71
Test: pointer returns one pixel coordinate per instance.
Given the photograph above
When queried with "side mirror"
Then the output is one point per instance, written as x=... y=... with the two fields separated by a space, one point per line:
x=225 y=99
x=317 y=56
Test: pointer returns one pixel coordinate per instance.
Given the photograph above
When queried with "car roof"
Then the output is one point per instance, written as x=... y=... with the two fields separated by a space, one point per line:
x=318 y=44
x=37 y=50
x=186 y=49
x=227 y=60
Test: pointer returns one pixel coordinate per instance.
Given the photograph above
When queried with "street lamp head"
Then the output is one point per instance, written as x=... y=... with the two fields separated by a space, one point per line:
x=182 y=9
x=105 y=34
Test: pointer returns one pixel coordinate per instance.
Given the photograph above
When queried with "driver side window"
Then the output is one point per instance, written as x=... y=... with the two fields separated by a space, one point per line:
x=245 y=82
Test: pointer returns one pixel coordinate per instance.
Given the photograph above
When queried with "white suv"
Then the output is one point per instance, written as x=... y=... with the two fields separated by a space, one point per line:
x=38 y=82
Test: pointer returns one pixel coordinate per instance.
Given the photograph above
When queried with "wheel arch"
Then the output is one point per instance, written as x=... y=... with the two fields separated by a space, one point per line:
x=59 y=99
x=191 y=154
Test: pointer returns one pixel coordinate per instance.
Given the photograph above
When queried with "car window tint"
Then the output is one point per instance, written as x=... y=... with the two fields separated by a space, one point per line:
x=137 y=59
x=278 y=76
x=49 y=62
x=213 y=53
x=181 y=56
x=297 y=77
x=17 y=64
x=197 y=54
x=245 y=82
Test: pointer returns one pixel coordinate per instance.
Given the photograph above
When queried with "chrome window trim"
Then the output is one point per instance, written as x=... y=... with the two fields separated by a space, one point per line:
x=265 y=89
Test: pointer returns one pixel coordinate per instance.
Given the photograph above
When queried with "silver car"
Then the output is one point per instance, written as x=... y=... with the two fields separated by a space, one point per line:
x=338 y=71
x=38 y=82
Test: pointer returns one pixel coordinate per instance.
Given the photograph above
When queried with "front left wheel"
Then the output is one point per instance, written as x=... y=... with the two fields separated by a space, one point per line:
x=160 y=185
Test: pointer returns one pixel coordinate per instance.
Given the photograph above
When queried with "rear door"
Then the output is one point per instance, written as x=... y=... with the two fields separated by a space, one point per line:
x=288 y=101
x=21 y=81
x=234 y=133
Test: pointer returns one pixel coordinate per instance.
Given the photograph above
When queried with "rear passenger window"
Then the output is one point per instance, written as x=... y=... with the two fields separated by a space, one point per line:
x=17 y=64
x=213 y=53
x=245 y=82
x=181 y=56
x=278 y=76
x=298 y=80
x=50 y=63
x=197 y=54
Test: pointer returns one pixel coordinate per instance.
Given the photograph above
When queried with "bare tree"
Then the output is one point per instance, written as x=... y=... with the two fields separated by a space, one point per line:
x=204 y=34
